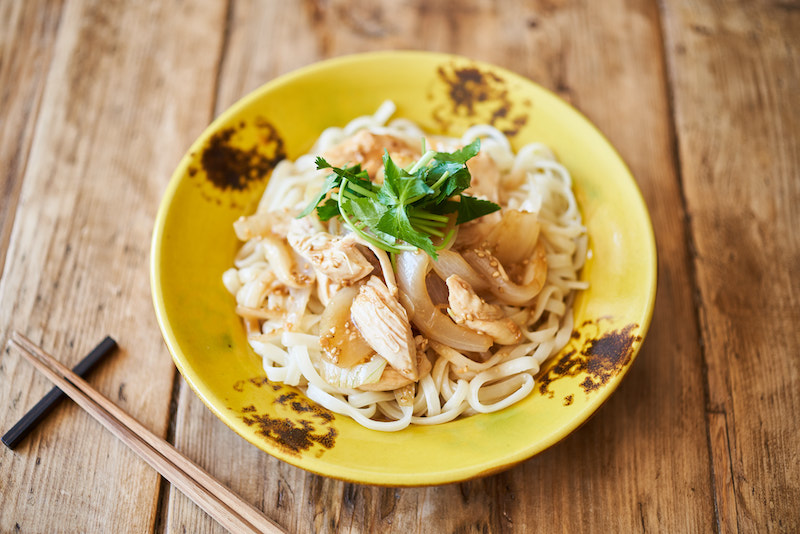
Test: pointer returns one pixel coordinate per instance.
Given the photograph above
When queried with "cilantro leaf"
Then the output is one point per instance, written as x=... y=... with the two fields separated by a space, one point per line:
x=460 y=156
x=330 y=182
x=471 y=208
x=354 y=175
x=398 y=185
x=408 y=209
x=395 y=222
x=368 y=213
x=328 y=210
x=322 y=163
x=448 y=206
x=366 y=210
x=456 y=182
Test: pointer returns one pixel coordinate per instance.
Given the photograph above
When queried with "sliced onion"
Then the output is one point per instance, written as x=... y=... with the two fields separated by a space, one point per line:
x=437 y=289
x=450 y=262
x=514 y=237
x=252 y=226
x=384 y=262
x=296 y=306
x=412 y=268
x=368 y=372
x=280 y=258
x=340 y=340
x=499 y=283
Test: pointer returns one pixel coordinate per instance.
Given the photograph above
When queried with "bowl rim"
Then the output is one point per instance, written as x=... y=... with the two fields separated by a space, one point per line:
x=394 y=479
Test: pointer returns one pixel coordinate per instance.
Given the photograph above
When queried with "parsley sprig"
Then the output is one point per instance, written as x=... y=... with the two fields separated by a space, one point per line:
x=412 y=206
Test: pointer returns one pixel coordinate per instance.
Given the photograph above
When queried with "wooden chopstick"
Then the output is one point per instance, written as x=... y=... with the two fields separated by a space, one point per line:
x=207 y=492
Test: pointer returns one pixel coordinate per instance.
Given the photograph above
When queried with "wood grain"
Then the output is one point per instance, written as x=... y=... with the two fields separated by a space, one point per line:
x=736 y=85
x=118 y=106
x=629 y=443
x=216 y=499
x=27 y=35
x=99 y=100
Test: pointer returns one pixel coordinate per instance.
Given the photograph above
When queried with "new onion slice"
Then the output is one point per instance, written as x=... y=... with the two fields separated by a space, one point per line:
x=341 y=343
x=450 y=262
x=500 y=284
x=412 y=268
x=368 y=372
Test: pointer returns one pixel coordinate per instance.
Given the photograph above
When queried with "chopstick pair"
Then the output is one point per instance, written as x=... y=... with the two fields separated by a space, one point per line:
x=207 y=492
x=41 y=409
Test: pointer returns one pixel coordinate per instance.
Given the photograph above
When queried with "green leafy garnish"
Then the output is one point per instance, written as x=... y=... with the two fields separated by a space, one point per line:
x=412 y=206
x=471 y=208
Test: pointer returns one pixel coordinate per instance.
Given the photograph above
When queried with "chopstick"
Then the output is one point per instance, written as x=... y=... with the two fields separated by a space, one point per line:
x=208 y=493
x=28 y=422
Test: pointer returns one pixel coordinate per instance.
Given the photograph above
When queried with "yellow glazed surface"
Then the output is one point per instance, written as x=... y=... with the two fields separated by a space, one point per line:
x=193 y=243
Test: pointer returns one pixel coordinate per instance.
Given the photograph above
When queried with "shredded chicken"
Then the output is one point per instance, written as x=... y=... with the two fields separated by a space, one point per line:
x=338 y=258
x=263 y=223
x=439 y=338
x=485 y=177
x=469 y=309
x=383 y=322
x=366 y=148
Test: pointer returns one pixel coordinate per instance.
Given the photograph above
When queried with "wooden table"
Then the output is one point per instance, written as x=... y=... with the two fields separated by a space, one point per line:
x=100 y=99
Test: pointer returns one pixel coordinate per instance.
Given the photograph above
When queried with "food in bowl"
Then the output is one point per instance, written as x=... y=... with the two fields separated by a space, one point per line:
x=404 y=278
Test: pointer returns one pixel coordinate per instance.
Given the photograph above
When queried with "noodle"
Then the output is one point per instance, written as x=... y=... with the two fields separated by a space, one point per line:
x=285 y=295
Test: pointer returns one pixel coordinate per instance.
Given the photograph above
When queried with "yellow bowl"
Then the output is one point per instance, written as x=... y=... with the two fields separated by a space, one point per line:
x=222 y=177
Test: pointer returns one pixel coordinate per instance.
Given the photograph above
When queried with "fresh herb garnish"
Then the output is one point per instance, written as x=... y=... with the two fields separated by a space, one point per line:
x=413 y=204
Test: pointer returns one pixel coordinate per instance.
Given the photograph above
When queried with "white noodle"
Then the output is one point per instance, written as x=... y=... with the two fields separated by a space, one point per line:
x=458 y=384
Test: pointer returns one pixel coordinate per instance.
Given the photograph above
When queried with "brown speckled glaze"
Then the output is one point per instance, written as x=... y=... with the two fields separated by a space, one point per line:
x=598 y=356
x=479 y=95
x=231 y=161
x=308 y=428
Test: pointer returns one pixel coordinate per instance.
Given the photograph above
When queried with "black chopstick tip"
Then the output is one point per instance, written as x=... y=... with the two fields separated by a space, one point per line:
x=19 y=431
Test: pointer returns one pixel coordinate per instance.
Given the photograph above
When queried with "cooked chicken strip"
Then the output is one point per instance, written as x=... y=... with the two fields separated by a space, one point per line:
x=485 y=177
x=366 y=148
x=383 y=322
x=263 y=223
x=338 y=258
x=469 y=309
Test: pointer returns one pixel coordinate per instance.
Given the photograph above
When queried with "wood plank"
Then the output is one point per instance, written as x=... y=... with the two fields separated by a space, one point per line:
x=119 y=107
x=724 y=491
x=27 y=35
x=736 y=82
x=644 y=457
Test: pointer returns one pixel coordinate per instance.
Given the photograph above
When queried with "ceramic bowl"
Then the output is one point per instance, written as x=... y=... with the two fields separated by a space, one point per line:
x=222 y=177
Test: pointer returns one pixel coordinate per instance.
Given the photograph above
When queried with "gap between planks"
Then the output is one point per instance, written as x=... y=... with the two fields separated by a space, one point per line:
x=721 y=509
x=160 y=525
